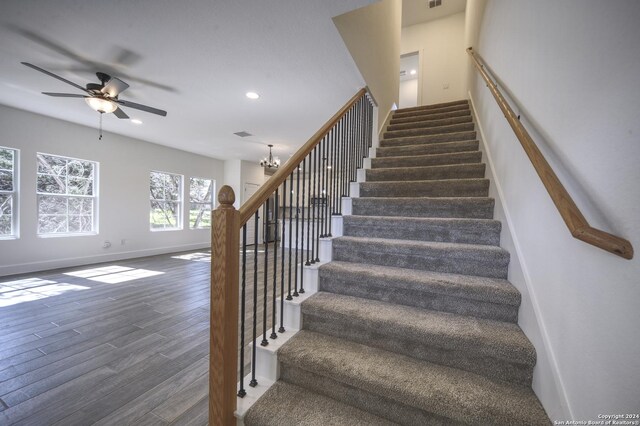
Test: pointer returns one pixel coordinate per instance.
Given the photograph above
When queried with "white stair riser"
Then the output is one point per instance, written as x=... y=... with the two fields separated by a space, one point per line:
x=354 y=189
x=325 y=250
x=347 y=206
x=337 y=226
x=361 y=175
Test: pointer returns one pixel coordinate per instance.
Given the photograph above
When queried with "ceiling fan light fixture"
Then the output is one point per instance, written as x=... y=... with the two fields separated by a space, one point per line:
x=101 y=105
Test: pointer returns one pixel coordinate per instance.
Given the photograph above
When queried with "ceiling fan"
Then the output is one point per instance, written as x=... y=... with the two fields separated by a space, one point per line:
x=103 y=96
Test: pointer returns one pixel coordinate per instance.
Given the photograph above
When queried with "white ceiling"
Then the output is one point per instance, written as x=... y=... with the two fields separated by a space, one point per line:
x=195 y=59
x=418 y=11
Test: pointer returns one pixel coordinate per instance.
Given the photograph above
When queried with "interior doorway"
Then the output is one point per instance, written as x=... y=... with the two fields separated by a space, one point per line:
x=409 y=80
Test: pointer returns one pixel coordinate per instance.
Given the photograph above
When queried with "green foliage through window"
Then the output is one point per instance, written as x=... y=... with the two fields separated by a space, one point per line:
x=66 y=195
x=165 y=191
x=201 y=202
x=7 y=192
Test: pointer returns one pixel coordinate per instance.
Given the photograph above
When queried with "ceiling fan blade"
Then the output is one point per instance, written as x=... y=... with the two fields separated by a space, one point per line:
x=141 y=107
x=54 y=76
x=120 y=113
x=63 y=95
x=114 y=87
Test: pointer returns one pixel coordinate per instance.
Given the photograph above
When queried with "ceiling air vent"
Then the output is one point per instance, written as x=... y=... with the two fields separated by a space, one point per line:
x=243 y=134
x=434 y=3
x=403 y=73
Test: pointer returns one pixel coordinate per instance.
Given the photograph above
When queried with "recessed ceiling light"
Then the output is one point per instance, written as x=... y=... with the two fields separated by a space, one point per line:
x=136 y=121
x=252 y=95
x=412 y=72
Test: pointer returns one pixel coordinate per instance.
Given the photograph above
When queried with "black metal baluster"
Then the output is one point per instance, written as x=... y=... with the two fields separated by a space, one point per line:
x=336 y=168
x=304 y=171
x=284 y=215
x=357 y=145
x=343 y=154
x=295 y=269
x=242 y=392
x=289 y=297
x=265 y=342
x=347 y=142
x=316 y=190
x=275 y=266
x=329 y=179
x=254 y=382
x=371 y=120
x=325 y=188
x=308 y=183
x=321 y=228
x=314 y=202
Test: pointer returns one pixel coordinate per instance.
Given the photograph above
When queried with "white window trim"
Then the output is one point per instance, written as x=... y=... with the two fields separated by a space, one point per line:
x=213 y=201
x=181 y=204
x=15 y=197
x=94 y=197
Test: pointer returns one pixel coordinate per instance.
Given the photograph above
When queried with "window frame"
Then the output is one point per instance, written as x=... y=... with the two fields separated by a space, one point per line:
x=180 y=203
x=210 y=204
x=14 y=195
x=94 y=199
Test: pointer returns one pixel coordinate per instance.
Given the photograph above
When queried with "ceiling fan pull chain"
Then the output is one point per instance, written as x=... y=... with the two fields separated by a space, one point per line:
x=100 y=137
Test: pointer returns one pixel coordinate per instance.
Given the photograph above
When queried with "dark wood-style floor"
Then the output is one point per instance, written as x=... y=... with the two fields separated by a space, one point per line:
x=120 y=343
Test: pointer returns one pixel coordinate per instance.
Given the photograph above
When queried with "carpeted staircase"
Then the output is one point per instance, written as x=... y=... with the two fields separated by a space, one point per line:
x=415 y=322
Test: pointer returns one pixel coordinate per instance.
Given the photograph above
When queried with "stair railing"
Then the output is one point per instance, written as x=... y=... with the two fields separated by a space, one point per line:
x=569 y=211
x=300 y=197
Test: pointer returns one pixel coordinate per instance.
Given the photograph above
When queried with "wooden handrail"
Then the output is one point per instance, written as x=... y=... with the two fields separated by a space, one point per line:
x=573 y=218
x=269 y=187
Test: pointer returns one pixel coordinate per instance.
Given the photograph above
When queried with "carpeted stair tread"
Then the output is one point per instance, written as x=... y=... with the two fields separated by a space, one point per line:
x=427 y=112
x=498 y=350
x=421 y=131
x=451 y=207
x=478 y=297
x=305 y=408
x=427 y=188
x=466 y=231
x=470 y=287
x=403 y=388
x=465 y=259
x=427 y=149
x=403 y=162
x=433 y=106
x=447 y=171
x=426 y=139
x=430 y=123
x=431 y=116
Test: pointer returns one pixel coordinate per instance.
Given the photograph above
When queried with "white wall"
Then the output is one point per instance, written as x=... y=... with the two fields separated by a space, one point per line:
x=572 y=70
x=123 y=205
x=442 y=57
x=372 y=35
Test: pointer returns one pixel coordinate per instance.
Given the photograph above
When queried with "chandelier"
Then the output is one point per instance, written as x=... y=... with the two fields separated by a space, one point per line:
x=270 y=162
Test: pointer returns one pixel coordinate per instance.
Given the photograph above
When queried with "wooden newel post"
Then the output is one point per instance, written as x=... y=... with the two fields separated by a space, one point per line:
x=223 y=369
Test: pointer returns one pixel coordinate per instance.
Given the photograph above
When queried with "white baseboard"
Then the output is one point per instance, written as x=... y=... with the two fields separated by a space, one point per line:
x=24 y=268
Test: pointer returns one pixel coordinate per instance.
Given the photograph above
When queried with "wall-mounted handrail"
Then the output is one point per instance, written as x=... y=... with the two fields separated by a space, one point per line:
x=569 y=211
x=269 y=187
x=301 y=199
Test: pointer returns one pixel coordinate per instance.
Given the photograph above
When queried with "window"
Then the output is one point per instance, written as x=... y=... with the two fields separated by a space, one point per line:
x=166 y=201
x=8 y=191
x=67 y=195
x=201 y=199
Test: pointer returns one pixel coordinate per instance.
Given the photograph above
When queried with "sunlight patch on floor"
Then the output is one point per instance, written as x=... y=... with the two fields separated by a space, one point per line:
x=30 y=289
